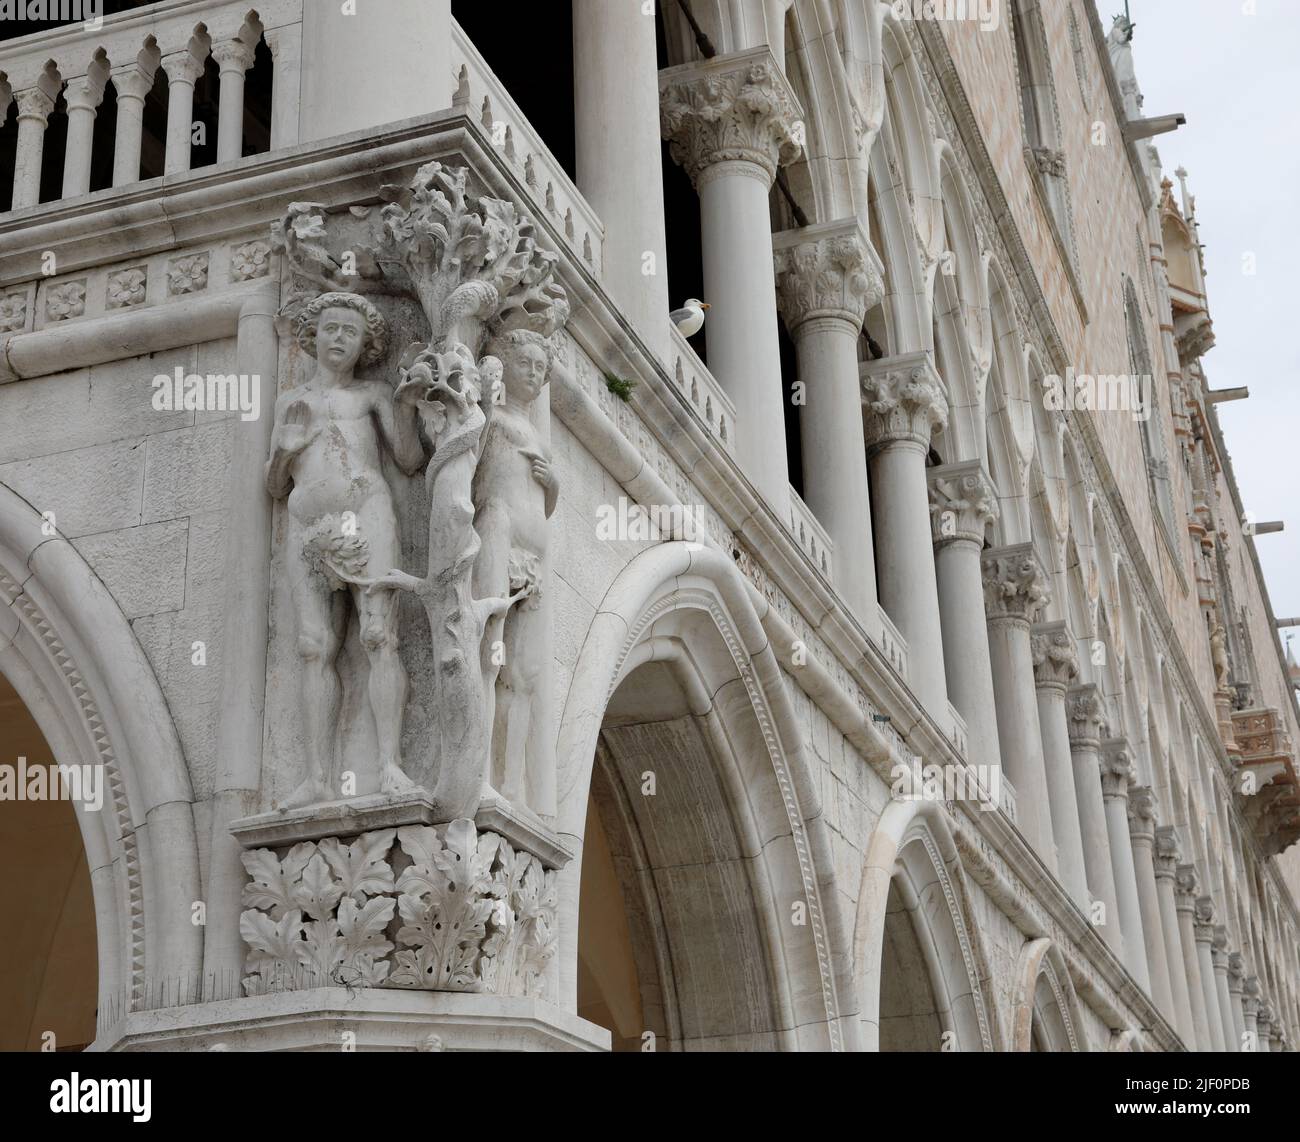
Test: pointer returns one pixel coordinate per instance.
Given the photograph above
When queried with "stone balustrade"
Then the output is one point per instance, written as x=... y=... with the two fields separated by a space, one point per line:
x=811 y=536
x=703 y=393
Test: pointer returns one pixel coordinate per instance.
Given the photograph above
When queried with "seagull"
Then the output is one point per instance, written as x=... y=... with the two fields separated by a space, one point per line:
x=690 y=318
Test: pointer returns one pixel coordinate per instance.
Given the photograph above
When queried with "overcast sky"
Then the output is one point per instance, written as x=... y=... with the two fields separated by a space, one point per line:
x=1236 y=77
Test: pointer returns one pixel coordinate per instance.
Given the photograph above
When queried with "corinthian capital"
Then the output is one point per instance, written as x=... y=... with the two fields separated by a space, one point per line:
x=1187 y=886
x=903 y=399
x=232 y=55
x=963 y=502
x=732 y=108
x=1142 y=813
x=33 y=103
x=1014 y=584
x=1056 y=662
x=829 y=270
x=1167 y=854
x=1116 y=768
x=182 y=67
x=1085 y=714
x=1204 y=919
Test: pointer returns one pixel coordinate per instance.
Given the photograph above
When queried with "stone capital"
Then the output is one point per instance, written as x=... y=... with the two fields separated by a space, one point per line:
x=828 y=270
x=84 y=92
x=1219 y=948
x=1168 y=853
x=902 y=400
x=1236 y=972
x=1142 y=814
x=132 y=81
x=182 y=67
x=1116 y=768
x=1204 y=919
x=233 y=55
x=33 y=103
x=1056 y=662
x=1015 y=586
x=963 y=502
x=1187 y=887
x=737 y=108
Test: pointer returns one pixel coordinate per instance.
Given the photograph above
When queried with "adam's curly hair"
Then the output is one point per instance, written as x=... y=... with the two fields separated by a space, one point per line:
x=376 y=335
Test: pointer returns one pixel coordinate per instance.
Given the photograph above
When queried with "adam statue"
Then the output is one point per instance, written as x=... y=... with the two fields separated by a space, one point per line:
x=326 y=457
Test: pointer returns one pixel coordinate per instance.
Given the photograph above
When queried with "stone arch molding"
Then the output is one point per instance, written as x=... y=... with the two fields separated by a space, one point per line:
x=912 y=847
x=1041 y=959
x=688 y=606
x=72 y=657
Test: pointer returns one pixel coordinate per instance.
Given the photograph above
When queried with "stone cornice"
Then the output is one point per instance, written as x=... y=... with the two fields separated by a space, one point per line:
x=827 y=270
x=1014 y=584
x=731 y=108
x=903 y=400
x=1056 y=662
x=963 y=502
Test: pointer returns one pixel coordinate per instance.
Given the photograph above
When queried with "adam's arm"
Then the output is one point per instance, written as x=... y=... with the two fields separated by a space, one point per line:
x=399 y=426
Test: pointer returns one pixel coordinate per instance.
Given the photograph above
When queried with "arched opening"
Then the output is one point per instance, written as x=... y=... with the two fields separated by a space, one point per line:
x=909 y=1013
x=48 y=963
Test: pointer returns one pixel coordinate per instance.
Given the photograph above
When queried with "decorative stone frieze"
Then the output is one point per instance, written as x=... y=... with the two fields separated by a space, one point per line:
x=903 y=401
x=1085 y=713
x=1116 y=768
x=1015 y=587
x=1056 y=662
x=187 y=275
x=65 y=301
x=13 y=312
x=450 y=909
x=127 y=287
x=828 y=271
x=732 y=108
x=250 y=260
x=963 y=502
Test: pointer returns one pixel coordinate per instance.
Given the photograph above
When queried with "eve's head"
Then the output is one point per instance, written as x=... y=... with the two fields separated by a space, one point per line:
x=526 y=358
x=343 y=331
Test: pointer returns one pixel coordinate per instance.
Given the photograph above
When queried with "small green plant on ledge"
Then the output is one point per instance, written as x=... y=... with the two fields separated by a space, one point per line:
x=619 y=386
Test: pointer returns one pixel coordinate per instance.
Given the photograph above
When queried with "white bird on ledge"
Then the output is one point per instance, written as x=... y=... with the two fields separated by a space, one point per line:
x=690 y=318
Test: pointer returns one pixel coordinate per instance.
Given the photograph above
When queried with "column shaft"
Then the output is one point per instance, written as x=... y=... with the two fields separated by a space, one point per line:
x=83 y=96
x=132 y=84
x=1061 y=797
x=34 y=108
x=1141 y=808
x=183 y=70
x=1116 y=773
x=234 y=57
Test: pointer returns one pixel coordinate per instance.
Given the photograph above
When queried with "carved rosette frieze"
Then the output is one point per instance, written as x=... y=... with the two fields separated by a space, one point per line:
x=828 y=271
x=903 y=400
x=1117 y=770
x=1203 y=919
x=1187 y=886
x=963 y=502
x=448 y=909
x=1056 y=662
x=1142 y=814
x=1015 y=587
x=1167 y=852
x=1085 y=717
x=13 y=312
x=736 y=108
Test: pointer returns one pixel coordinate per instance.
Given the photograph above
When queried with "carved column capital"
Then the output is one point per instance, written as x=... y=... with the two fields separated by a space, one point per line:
x=963 y=502
x=1142 y=815
x=33 y=103
x=1187 y=886
x=233 y=55
x=1116 y=768
x=1219 y=948
x=1015 y=587
x=132 y=81
x=1204 y=919
x=182 y=67
x=1236 y=972
x=84 y=92
x=828 y=270
x=732 y=108
x=1168 y=853
x=1056 y=662
x=903 y=400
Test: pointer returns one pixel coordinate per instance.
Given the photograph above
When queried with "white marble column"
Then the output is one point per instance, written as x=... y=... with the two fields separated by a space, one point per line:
x=1250 y=1013
x=963 y=502
x=83 y=95
x=183 y=69
x=34 y=107
x=827 y=277
x=616 y=112
x=132 y=83
x=234 y=58
x=1219 y=957
x=1186 y=886
x=1056 y=666
x=1086 y=717
x=1203 y=929
x=1236 y=977
x=285 y=44
x=731 y=122
x=1142 y=835
x=903 y=403
x=1014 y=593
x=1116 y=773
x=1167 y=855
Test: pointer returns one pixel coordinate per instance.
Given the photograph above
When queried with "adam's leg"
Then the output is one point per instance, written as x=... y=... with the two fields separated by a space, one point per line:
x=388 y=684
x=525 y=631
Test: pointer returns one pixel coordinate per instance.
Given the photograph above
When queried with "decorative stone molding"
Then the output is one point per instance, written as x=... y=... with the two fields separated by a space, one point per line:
x=1168 y=853
x=1142 y=814
x=65 y=301
x=1015 y=587
x=1085 y=715
x=1187 y=886
x=451 y=909
x=187 y=275
x=963 y=502
x=1056 y=661
x=13 y=312
x=828 y=271
x=732 y=108
x=1116 y=768
x=903 y=400
x=127 y=287
x=250 y=260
